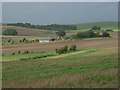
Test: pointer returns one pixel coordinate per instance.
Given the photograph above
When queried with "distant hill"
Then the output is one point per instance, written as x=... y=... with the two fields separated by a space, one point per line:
x=22 y=31
x=30 y=32
x=103 y=25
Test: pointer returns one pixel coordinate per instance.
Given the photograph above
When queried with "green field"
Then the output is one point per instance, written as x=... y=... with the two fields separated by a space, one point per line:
x=24 y=56
x=103 y=25
x=96 y=68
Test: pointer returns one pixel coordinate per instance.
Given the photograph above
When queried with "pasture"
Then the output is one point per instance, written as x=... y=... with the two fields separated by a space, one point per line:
x=95 y=69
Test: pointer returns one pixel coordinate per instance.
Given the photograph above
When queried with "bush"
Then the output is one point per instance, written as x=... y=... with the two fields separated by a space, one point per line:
x=20 y=41
x=61 y=33
x=25 y=52
x=18 y=52
x=13 y=53
x=60 y=51
x=95 y=28
x=9 y=40
x=105 y=34
x=24 y=39
x=66 y=48
x=73 y=48
x=36 y=40
x=10 y=32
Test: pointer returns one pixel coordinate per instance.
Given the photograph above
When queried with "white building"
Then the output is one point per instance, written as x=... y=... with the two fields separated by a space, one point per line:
x=47 y=40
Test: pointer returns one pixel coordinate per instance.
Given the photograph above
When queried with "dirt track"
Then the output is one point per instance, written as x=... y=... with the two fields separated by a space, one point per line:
x=49 y=47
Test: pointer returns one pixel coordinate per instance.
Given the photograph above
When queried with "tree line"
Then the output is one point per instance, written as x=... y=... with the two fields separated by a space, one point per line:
x=90 y=34
x=45 y=27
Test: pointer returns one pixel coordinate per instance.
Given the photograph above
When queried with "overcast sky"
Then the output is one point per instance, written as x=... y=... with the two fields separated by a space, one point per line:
x=59 y=13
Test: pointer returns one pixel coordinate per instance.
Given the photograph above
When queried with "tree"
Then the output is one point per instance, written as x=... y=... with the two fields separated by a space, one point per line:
x=105 y=34
x=61 y=33
x=96 y=28
x=10 y=32
x=89 y=34
x=73 y=48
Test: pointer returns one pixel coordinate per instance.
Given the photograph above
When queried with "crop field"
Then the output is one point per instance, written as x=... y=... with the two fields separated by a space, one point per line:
x=50 y=47
x=95 y=69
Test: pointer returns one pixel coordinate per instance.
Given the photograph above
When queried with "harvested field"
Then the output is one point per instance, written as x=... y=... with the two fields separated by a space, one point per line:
x=50 y=47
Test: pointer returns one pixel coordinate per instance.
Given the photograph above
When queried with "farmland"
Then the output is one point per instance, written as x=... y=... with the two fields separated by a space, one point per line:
x=93 y=65
x=91 y=69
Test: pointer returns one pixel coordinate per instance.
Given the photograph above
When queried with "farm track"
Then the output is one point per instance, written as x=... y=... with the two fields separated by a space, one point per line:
x=50 y=47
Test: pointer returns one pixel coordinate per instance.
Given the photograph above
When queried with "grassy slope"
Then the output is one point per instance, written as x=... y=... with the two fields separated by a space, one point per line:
x=91 y=69
x=45 y=33
x=30 y=31
x=103 y=25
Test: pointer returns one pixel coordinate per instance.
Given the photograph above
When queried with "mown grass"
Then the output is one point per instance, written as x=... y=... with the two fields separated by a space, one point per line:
x=88 y=70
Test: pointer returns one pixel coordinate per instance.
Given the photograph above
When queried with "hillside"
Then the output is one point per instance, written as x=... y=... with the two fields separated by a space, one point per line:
x=50 y=33
x=30 y=31
x=103 y=25
x=96 y=68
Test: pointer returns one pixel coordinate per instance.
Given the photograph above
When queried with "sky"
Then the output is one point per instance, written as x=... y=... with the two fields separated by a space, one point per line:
x=40 y=13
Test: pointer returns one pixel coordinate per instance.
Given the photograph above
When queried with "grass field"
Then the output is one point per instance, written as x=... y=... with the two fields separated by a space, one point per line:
x=96 y=69
x=24 y=56
x=103 y=25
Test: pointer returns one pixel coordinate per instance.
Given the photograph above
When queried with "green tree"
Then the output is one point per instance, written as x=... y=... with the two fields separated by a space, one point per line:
x=105 y=34
x=73 y=48
x=89 y=34
x=10 y=32
x=61 y=33
x=96 y=28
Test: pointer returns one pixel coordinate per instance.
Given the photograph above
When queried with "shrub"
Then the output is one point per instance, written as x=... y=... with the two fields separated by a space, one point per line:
x=25 y=52
x=60 y=51
x=9 y=40
x=12 y=42
x=66 y=48
x=10 y=32
x=105 y=34
x=61 y=33
x=36 y=40
x=18 y=52
x=24 y=39
x=73 y=48
x=20 y=41
x=13 y=53
x=95 y=28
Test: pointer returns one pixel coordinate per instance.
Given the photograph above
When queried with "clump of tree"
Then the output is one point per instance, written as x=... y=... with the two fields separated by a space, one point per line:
x=87 y=34
x=45 y=27
x=73 y=48
x=90 y=34
x=10 y=32
x=65 y=49
x=105 y=34
x=95 y=28
x=61 y=33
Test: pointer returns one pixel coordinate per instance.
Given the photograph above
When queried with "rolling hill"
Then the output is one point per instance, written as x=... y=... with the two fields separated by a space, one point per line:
x=47 y=33
x=103 y=25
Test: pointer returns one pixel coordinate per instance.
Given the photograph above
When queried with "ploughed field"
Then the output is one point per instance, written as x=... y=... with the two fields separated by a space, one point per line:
x=51 y=46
